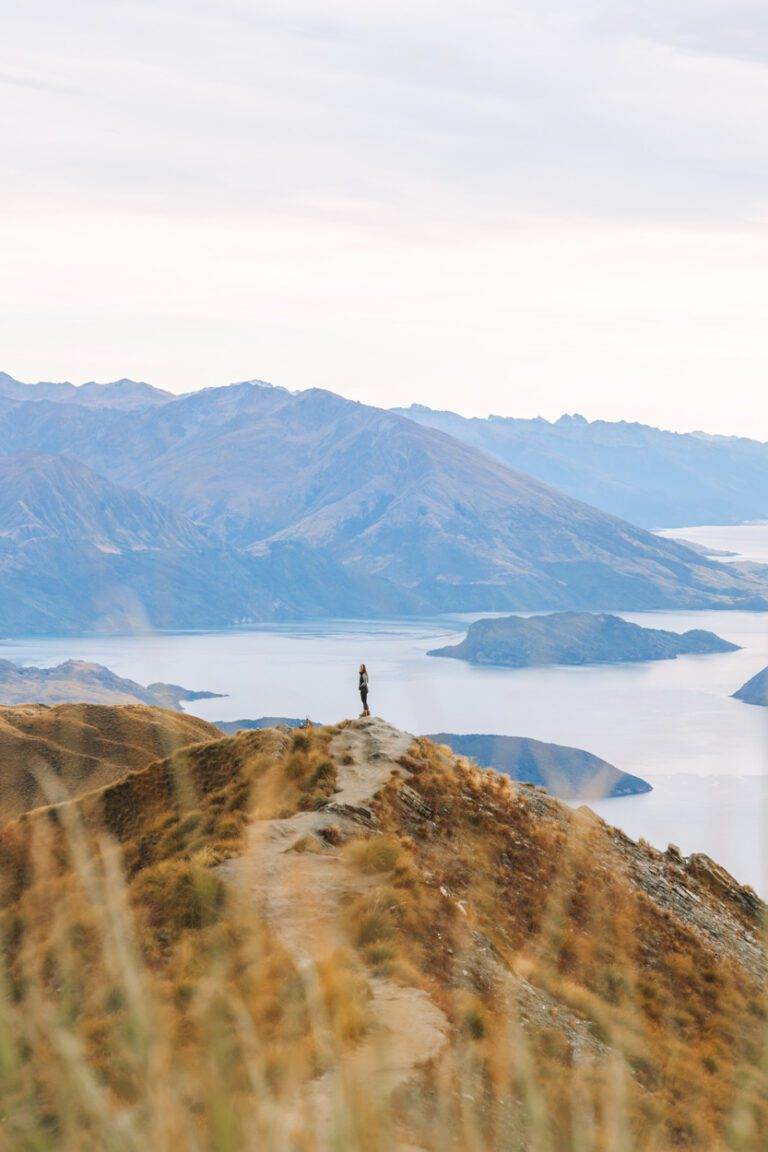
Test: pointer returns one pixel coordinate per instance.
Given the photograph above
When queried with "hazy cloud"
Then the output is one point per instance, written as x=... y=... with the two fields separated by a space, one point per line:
x=531 y=188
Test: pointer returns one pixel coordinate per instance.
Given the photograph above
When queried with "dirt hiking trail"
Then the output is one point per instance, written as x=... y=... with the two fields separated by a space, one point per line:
x=302 y=894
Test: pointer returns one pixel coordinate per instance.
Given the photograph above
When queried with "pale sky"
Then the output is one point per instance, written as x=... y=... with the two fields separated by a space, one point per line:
x=486 y=205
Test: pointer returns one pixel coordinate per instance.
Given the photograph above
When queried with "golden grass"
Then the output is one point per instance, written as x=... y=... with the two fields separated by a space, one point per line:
x=82 y=747
x=140 y=999
x=642 y=1007
x=143 y=1005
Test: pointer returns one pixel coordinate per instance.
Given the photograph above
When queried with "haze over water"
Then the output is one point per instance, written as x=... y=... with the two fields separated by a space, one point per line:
x=672 y=722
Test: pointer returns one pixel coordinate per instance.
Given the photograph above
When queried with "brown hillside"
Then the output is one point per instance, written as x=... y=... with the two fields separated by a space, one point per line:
x=48 y=752
x=345 y=938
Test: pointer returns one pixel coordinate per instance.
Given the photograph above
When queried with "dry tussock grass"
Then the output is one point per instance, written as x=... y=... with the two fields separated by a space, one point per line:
x=142 y=1005
x=83 y=746
x=637 y=1034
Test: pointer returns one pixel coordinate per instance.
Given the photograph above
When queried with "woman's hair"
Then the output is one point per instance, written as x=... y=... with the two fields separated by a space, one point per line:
x=363 y=668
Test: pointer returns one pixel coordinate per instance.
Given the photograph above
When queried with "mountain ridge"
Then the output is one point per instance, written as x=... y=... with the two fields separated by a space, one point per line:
x=398 y=518
x=79 y=552
x=62 y=751
x=649 y=476
x=122 y=393
x=465 y=933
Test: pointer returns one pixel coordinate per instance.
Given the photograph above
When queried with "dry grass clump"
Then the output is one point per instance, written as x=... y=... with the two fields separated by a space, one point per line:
x=376 y=853
x=141 y=1004
x=624 y=1005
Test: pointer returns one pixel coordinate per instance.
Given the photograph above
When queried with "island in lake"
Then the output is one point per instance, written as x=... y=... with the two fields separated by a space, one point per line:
x=77 y=681
x=569 y=773
x=755 y=691
x=575 y=638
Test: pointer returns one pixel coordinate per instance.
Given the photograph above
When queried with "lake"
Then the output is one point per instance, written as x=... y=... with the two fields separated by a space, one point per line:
x=672 y=722
x=743 y=541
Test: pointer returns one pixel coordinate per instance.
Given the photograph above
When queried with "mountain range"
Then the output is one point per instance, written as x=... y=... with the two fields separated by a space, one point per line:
x=654 y=478
x=248 y=503
x=123 y=393
x=78 y=552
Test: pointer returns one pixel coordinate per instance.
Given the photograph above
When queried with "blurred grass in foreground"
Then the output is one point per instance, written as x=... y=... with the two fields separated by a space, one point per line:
x=145 y=1005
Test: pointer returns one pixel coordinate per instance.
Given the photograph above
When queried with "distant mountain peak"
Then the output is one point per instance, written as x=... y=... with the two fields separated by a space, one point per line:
x=45 y=496
x=124 y=393
x=255 y=382
x=572 y=418
x=649 y=476
x=258 y=383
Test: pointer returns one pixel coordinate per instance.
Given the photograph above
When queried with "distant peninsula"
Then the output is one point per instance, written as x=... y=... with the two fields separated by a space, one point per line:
x=755 y=691
x=575 y=638
x=77 y=681
x=569 y=773
x=230 y=727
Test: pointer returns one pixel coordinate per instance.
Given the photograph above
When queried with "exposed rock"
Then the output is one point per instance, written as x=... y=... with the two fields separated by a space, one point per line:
x=406 y=795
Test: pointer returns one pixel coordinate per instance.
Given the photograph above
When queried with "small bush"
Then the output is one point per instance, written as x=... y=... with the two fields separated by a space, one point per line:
x=178 y=895
x=375 y=854
x=372 y=927
x=474 y=1024
x=300 y=741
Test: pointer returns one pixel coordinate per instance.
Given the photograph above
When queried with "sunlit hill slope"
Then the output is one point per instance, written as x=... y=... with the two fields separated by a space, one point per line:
x=347 y=938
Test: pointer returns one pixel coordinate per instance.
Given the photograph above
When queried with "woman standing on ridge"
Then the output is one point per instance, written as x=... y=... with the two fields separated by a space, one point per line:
x=363 y=686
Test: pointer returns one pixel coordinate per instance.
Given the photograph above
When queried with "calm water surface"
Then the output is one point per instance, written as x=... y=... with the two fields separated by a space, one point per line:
x=745 y=541
x=672 y=722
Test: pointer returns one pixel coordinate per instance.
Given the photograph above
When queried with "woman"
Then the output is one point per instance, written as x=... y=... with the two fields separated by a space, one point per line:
x=363 y=686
